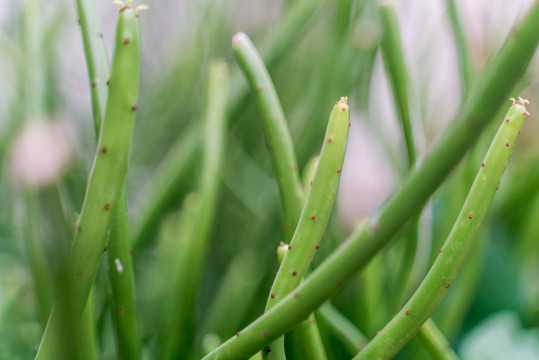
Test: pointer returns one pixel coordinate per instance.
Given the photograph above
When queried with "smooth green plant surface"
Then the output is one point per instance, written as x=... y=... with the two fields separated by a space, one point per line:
x=102 y=195
x=205 y=200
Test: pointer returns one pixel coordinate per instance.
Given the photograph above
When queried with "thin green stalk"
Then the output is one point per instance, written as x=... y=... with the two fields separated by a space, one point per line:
x=97 y=60
x=343 y=329
x=465 y=62
x=443 y=272
x=276 y=131
x=307 y=341
x=496 y=81
x=193 y=253
x=35 y=252
x=104 y=186
x=122 y=279
x=435 y=342
x=398 y=74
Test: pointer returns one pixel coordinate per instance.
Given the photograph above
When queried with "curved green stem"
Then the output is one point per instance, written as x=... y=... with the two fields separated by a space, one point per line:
x=498 y=78
x=465 y=62
x=435 y=342
x=443 y=272
x=276 y=131
x=343 y=329
x=104 y=186
x=398 y=74
x=97 y=60
x=193 y=250
x=122 y=280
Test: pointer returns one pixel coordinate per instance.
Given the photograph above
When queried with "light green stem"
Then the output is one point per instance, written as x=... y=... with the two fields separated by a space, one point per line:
x=193 y=252
x=276 y=131
x=104 y=186
x=435 y=342
x=443 y=272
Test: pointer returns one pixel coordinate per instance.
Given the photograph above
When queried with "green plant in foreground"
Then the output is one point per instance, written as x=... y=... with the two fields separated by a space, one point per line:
x=496 y=81
x=104 y=186
x=457 y=246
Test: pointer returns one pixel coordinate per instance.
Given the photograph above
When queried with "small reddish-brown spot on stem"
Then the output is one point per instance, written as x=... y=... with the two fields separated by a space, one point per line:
x=108 y=82
x=294 y=169
x=79 y=273
x=259 y=89
x=506 y=120
x=94 y=84
x=524 y=114
x=304 y=350
x=497 y=188
x=106 y=207
x=79 y=228
x=134 y=107
x=407 y=312
x=330 y=139
x=348 y=124
x=482 y=164
x=440 y=250
x=268 y=349
x=294 y=272
x=266 y=334
x=470 y=216
x=104 y=149
x=507 y=144
x=126 y=41
x=289 y=246
x=106 y=248
x=101 y=35
x=313 y=217
x=238 y=333
x=447 y=286
x=310 y=182
x=338 y=171
x=121 y=312
x=318 y=246
x=131 y=251
x=287 y=226
x=272 y=295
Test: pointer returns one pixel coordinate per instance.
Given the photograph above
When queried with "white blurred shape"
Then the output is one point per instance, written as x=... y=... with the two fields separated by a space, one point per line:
x=367 y=178
x=39 y=153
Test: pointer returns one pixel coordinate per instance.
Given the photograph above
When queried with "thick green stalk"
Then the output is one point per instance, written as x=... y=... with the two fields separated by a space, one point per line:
x=97 y=60
x=104 y=186
x=276 y=131
x=123 y=283
x=435 y=342
x=397 y=73
x=122 y=280
x=317 y=206
x=193 y=254
x=496 y=81
x=443 y=272
x=343 y=329
x=465 y=62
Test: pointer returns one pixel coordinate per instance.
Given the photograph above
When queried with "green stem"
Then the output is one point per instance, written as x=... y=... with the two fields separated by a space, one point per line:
x=343 y=329
x=435 y=342
x=203 y=214
x=122 y=280
x=276 y=131
x=466 y=67
x=398 y=74
x=97 y=60
x=104 y=186
x=496 y=81
x=123 y=283
x=443 y=272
